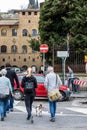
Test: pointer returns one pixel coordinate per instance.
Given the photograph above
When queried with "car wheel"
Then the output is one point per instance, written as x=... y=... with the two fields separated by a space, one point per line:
x=18 y=95
x=63 y=97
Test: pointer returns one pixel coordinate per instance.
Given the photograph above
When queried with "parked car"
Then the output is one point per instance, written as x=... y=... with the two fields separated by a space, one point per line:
x=40 y=90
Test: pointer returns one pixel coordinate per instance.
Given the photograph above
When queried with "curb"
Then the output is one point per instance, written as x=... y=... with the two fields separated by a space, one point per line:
x=79 y=95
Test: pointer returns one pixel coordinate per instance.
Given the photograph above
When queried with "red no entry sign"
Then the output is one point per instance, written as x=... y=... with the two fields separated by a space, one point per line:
x=44 y=48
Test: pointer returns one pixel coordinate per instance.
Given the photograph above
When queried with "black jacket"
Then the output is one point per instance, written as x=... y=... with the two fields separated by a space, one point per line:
x=12 y=76
x=29 y=79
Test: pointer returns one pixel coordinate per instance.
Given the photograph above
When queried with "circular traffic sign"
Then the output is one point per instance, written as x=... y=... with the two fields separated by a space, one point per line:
x=44 y=48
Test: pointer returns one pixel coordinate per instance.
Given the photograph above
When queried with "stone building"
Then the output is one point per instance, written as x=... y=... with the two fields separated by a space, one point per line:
x=15 y=28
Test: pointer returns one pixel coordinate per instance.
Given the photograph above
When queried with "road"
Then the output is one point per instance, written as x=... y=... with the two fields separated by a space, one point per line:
x=71 y=115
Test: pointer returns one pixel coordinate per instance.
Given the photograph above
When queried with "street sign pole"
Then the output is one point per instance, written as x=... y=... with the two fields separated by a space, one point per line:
x=43 y=61
x=63 y=68
x=68 y=42
x=63 y=55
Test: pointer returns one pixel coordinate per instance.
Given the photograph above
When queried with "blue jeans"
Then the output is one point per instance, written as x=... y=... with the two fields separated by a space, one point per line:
x=52 y=106
x=10 y=102
x=3 y=107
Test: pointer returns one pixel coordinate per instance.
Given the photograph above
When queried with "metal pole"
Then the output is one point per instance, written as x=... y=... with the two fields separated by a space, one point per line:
x=43 y=61
x=53 y=55
x=63 y=68
x=68 y=42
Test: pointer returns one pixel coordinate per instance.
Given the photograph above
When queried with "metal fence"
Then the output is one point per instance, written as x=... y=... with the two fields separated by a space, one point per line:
x=75 y=60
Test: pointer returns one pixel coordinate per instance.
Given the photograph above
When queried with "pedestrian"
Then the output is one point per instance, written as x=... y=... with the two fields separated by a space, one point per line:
x=13 y=77
x=86 y=68
x=70 y=76
x=50 y=84
x=6 y=89
x=29 y=83
x=71 y=79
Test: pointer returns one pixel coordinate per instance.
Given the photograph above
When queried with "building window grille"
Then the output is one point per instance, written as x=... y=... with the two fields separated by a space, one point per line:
x=14 y=32
x=14 y=49
x=34 y=32
x=24 y=49
x=3 y=49
x=3 y=32
x=25 y=32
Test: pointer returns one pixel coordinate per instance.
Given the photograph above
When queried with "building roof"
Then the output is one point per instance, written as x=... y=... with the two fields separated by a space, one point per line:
x=9 y=22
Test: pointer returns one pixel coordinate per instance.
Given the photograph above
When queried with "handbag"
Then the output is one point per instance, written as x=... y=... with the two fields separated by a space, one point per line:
x=55 y=94
x=3 y=96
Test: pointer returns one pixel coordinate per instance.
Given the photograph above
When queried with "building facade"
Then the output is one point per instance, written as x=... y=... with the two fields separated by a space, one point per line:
x=17 y=27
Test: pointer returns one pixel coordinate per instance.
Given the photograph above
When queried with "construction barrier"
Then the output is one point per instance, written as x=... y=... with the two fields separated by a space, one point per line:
x=79 y=82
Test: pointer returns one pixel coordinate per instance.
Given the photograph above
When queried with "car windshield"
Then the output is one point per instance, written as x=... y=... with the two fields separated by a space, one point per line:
x=40 y=79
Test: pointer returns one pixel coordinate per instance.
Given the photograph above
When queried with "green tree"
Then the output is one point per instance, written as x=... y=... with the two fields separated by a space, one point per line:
x=34 y=44
x=58 y=17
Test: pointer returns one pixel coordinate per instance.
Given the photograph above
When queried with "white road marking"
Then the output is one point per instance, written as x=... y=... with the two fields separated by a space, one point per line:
x=16 y=102
x=75 y=104
x=77 y=109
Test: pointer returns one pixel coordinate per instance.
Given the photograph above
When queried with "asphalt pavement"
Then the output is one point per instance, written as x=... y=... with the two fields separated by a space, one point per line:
x=82 y=94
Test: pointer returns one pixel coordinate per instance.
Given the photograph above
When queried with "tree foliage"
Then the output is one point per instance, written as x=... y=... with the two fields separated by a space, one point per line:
x=34 y=44
x=58 y=17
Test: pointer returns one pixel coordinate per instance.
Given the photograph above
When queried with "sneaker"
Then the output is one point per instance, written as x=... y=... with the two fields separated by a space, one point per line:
x=11 y=110
x=28 y=118
x=5 y=115
x=52 y=119
x=7 y=111
x=2 y=118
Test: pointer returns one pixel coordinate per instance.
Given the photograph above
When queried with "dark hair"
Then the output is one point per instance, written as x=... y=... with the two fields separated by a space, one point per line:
x=8 y=65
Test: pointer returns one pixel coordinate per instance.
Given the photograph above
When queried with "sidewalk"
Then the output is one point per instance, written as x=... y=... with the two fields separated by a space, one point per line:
x=82 y=94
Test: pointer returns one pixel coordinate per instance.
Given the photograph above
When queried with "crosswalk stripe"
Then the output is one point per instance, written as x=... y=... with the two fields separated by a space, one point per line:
x=77 y=109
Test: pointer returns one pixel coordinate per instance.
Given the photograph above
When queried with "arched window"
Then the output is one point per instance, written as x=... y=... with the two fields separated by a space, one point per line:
x=24 y=49
x=3 y=32
x=25 y=32
x=34 y=32
x=13 y=49
x=3 y=49
x=14 y=32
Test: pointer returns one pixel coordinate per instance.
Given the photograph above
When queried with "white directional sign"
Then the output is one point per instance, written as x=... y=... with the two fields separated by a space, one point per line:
x=62 y=54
